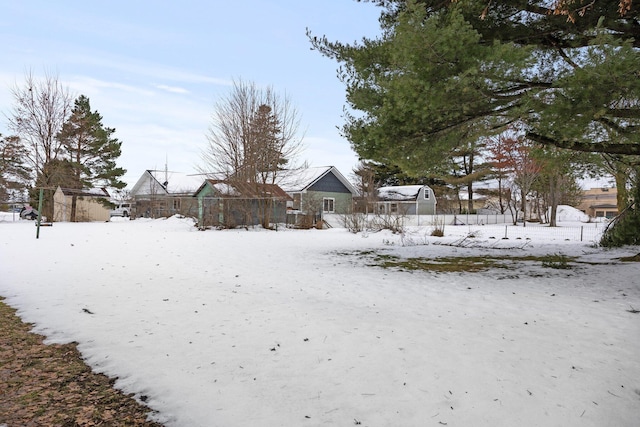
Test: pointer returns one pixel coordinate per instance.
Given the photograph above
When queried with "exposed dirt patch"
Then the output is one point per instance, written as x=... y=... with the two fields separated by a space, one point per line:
x=50 y=385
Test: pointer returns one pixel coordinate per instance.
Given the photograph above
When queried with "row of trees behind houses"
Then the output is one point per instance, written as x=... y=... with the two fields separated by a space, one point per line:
x=507 y=173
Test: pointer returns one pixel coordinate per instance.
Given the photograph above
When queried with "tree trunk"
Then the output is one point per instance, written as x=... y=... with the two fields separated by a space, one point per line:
x=524 y=209
x=74 y=204
x=502 y=208
x=553 y=200
x=266 y=213
x=622 y=197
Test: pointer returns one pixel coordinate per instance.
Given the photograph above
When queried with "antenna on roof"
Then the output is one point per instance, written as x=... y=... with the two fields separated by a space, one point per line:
x=166 y=171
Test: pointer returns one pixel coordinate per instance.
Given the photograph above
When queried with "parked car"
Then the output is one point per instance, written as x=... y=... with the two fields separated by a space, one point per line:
x=122 y=209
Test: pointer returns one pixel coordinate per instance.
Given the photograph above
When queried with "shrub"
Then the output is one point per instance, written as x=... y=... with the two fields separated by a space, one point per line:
x=392 y=222
x=557 y=261
x=438 y=228
x=354 y=222
x=437 y=232
x=623 y=230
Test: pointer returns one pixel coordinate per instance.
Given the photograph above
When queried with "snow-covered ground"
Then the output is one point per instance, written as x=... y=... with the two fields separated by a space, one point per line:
x=296 y=328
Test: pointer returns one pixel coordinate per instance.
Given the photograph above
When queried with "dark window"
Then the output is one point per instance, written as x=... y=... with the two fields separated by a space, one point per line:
x=328 y=205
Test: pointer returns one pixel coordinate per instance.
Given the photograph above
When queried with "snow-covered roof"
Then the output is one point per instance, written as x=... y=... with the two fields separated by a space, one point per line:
x=225 y=188
x=295 y=181
x=236 y=189
x=400 y=192
x=86 y=192
x=176 y=182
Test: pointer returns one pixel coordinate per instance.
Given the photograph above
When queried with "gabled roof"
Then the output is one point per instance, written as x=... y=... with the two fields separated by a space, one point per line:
x=168 y=183
x=296 y=181
x=85 y=192
x=400 y=192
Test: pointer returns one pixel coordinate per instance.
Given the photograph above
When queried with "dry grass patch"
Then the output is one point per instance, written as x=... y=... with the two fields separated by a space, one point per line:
x=466 y=264
x=439 y=265
x=50 y=385
x=634 y=258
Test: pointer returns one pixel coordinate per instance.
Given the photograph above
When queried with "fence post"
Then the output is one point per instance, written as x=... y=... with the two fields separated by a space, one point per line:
x=505 y=232
x=581 y=232
x=41 y=196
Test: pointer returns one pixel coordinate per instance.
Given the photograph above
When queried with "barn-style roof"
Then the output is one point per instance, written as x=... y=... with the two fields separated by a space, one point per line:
x=400 y=192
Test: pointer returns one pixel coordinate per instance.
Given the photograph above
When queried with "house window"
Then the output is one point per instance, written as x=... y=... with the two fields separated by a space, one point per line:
x=426 y=194
x=328 y=205
x=393 y=208
x=296 y=201
x=176 y=204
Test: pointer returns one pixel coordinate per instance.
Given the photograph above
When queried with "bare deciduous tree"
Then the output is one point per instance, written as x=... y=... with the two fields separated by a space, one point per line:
x=253 y=139
x=253 y=131
x=40 y=109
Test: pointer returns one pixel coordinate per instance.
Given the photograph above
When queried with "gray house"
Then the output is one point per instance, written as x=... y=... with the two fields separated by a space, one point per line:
x=159 y=194
x=318 y=190
x=406 y=200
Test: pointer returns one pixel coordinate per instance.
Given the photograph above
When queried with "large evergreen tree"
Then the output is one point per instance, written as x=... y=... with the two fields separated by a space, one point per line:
x=444 y=73
x=264 y=155
x=90 y=151
x=14 y=173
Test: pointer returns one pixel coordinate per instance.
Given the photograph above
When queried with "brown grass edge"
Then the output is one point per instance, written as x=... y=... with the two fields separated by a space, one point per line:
x=49 y=384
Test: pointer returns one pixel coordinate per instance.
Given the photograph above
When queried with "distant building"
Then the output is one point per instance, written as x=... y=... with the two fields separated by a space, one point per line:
x=600 y=202
x=91 y=204
x=317 y=190
x=406 y=200
x=159 y=194
x=232 y=204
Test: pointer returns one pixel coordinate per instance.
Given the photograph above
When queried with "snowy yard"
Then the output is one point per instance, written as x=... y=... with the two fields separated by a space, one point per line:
x=297 y=328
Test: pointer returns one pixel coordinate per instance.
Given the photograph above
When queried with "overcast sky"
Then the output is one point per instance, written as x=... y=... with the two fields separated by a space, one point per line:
x=155 y=69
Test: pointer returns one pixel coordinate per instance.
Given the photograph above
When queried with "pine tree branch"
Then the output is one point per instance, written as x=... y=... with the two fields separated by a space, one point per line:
x=587 y=147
